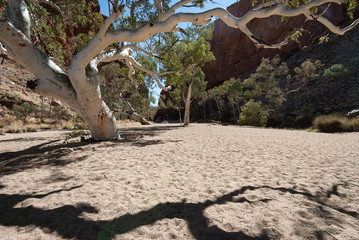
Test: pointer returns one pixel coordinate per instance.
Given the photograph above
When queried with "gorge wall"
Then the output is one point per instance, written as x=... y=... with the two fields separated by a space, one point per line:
x=236 y=55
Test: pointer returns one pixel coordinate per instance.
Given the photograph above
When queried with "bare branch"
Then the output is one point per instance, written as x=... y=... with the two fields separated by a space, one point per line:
x=53 y=5
x=96 y=45
x=335 y=29
x=132 y=112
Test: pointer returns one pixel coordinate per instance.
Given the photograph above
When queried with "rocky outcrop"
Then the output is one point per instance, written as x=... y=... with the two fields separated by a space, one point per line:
x=236 y=55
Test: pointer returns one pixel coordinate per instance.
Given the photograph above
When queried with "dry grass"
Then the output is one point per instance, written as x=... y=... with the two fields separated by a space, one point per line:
x=333 y=123
x=9 y=124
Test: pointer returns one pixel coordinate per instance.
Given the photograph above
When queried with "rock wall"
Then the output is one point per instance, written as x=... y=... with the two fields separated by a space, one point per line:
x=236 y=55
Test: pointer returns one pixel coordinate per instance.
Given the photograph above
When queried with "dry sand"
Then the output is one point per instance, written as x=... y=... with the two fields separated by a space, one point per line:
x=168 y=182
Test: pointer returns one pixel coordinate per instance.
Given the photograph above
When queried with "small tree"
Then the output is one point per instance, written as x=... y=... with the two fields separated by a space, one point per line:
x=23 y=111
x=271 y=83
x=217 y=94
x=253 y=114
x=187 y=57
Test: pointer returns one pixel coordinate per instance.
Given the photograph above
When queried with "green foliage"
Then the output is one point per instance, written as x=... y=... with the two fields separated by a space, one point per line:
x=324 y=38
x=335 y=71
x=55 y=30
x=333 y=123
x=187 y=56
x=114 y=80
x=253 y=114
x=23 y=111
x=307 y=72
x=352 y=5
x=264 y=84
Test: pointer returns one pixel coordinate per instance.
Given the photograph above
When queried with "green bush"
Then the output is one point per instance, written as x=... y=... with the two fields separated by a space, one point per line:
x=252 y=114
x=23 y=111
x=335 y=71
x=332 y=123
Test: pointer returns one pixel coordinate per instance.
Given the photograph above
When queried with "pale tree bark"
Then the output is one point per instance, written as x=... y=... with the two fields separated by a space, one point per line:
x=187 y=109
x=132 y=112
x=80 y=90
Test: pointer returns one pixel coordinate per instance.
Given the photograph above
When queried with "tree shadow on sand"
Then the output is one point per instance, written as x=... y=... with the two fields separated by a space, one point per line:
x=52 y=152
x=48 y=153
x=135 y=135
x=68 y=222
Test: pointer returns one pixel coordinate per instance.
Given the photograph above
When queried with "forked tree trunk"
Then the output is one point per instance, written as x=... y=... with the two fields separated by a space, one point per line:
x=98 y=117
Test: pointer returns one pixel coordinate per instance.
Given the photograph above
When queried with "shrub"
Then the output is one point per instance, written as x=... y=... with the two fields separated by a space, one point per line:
x=252 y=114
x=24 y=110
x=335 y=71
x=332 y=123
x=59 y=113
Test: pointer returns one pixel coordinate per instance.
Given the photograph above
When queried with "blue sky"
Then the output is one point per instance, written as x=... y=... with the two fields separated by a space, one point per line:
x=209 y=5
x=219 y=3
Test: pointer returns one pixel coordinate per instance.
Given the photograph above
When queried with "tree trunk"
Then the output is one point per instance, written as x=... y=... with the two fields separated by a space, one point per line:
x=79 y=92
x=204 y=111
x=234 y=113
x=187 y=110
x=180 y=116
x=219 y=109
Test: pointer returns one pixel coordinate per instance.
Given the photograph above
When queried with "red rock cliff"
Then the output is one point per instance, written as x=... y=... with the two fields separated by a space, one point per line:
x=235 y=53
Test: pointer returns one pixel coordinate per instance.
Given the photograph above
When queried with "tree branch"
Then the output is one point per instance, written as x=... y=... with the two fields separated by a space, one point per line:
x=158 y=4
x=51 y=4
x=96 y=45
x=132 y=112
x=51 y=80
x=168 y=25
x=19 y=16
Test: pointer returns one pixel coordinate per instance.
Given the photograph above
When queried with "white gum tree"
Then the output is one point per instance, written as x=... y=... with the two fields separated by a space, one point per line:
x=78 y=86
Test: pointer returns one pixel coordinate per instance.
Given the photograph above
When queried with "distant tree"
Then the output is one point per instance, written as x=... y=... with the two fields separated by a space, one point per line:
x=187 y=57
x=217 y=95
x=234 y=94
x=272 y=82
x=120 y=95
